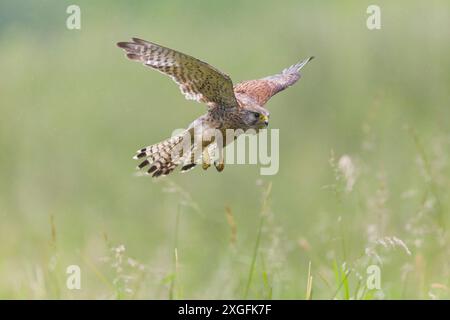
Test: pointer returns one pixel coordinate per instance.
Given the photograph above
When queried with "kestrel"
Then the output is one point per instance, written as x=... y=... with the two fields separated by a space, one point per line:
x=229 y=107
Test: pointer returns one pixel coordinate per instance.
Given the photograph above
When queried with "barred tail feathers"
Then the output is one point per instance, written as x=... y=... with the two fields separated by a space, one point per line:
x=163 y=157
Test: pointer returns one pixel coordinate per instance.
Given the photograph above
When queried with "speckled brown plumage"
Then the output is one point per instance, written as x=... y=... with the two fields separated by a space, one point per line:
x=262 y=90
x=238 y=107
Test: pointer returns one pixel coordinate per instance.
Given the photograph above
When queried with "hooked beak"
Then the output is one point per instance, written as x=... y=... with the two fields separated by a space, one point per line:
x=265 y=119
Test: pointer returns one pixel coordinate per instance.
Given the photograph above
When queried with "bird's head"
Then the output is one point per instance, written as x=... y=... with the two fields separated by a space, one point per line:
x=256 y=117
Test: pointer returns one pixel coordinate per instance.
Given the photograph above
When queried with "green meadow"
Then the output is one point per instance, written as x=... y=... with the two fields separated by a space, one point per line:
x=359 y=208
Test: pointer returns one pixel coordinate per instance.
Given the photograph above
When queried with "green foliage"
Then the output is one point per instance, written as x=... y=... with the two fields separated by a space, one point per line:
x=74 y=110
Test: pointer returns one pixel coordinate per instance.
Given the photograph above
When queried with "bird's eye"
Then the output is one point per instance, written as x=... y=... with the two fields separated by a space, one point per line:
x=256 y=114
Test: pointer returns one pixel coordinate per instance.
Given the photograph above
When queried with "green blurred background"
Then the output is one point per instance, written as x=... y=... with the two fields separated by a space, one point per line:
x=74 y=110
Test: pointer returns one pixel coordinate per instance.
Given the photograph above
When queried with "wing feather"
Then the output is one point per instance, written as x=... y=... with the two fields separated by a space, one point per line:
x=261 y=90
x=197 y=80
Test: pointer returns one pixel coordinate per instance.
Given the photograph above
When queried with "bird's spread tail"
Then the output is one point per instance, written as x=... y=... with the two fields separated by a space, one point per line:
x=162 y=158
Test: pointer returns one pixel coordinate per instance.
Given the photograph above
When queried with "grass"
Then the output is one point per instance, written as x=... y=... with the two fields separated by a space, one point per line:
x=364 y=154
x=173 y=277
x=309 y=284
x=258 y=240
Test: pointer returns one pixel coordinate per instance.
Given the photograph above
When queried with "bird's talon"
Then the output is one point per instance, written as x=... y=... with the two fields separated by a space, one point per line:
x=219 y=166
x=205 y=165
x=206 y=159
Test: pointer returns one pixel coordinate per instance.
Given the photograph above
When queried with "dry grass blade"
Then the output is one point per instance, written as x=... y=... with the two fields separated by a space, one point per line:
x=232 y=224
x=309 y=284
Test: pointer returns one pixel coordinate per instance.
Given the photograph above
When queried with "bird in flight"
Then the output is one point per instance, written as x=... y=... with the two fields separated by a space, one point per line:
x=239 y=107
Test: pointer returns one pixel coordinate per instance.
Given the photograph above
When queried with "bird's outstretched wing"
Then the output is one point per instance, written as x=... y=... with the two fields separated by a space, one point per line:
x=262 y=90
x=197 y=80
